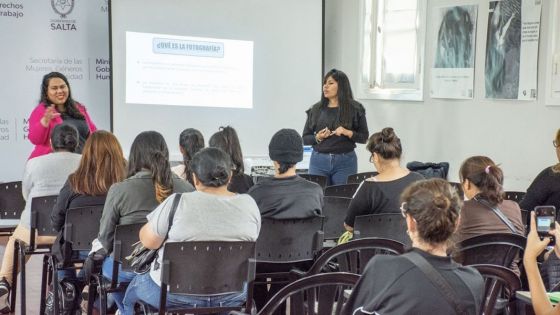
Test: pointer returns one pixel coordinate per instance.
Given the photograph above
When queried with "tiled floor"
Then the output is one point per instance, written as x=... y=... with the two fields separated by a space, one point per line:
x=33 y=274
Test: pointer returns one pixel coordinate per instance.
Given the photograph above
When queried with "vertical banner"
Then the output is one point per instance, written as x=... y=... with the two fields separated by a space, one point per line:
x=512 y=49
x=455 y=42
x=38 y=37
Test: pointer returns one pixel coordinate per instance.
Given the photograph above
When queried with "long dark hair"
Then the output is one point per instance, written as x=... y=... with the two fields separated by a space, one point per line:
x=227 y=140
x=70 y=104
x=344 y=95
x=191 y=141
x=486 y=176
x=149 y=151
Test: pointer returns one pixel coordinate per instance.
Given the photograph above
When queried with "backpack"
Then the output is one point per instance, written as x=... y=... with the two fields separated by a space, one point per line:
x=68 y=299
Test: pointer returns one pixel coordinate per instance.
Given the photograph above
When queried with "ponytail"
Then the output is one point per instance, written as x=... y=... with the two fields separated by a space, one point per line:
x=482 y=172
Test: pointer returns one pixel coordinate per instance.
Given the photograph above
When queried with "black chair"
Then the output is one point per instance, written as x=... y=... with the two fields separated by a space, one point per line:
x=207 y=268
x=11 y=205
x=383 y=225
x=41 y=208
x=319 y=179
x=500 y=283
x=352 y=256
x=346 y=190
x=360 y=177
x=493 y=248
x=281 y=246
x=459 y=189
x=516 y=196
x=320 y=294
x=125 y=238
x=81 y=227
x=334 y=211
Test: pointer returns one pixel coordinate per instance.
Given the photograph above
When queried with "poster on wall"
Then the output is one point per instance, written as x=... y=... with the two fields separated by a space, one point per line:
x=512 y=46
x=70 y=37
x=452 y=73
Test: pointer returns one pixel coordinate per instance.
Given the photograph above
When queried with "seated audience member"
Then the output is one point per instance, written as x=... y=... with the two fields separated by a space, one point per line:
x=150 y=181
x=380 y=194
x=397 y=285
x=190 y=142
x=482 y=183
x=211 y=213
x=43 y=176
x=227 y=140
x=545 y=189
x=101 y=166
x=535 y=246
x=286 y=195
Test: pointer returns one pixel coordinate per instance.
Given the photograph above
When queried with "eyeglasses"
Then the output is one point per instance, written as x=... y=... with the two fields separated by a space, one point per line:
x=555 y=143
x=403 y=209
x=371 y=158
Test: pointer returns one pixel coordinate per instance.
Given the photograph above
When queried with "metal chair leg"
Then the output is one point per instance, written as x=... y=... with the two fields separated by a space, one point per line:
x=45 y=280
x=22 y=252
x=15 y=264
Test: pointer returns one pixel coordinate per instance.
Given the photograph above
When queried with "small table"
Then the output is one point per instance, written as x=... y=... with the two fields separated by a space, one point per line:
x=524 y=303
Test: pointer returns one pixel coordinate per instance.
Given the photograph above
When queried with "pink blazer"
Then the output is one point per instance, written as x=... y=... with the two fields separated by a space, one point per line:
x=39 y=135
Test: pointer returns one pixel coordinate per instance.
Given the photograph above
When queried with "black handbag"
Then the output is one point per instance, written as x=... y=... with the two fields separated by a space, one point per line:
x=141 y=257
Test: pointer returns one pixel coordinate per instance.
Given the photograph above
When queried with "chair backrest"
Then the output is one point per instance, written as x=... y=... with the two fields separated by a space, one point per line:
x=354 y=255
x=493 y=248
x=11 y=200
x=334 y=211
x=498 y=281
x=319 y=294
x=346 y=190
x=81 y=226
x=516 y=196
x=290 y=240
x=319 y=179
x=208 y=268
x=360 y=177
x=41 y=208
x=384 y=225
x=125 y=237
x=459 y=189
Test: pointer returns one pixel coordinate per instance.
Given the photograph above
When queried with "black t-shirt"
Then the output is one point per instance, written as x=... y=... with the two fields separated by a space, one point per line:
x=378 y=197
x=394 y=285
x=288 y=198
x=240 y=183
x=82 y=127
x=544 y=190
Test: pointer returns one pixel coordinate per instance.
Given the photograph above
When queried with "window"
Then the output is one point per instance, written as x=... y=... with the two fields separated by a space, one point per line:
x=393 y=49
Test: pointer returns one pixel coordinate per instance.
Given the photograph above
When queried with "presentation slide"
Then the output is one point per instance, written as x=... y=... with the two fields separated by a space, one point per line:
x=188 y=71
x=254 y=65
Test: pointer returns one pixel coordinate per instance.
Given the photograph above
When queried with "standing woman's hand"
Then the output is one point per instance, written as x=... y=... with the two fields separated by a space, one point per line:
x=322 y=134
x=50 y=113
x=341 y=131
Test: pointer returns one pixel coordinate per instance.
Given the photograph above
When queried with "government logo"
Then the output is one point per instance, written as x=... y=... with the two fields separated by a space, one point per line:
x=62 y=7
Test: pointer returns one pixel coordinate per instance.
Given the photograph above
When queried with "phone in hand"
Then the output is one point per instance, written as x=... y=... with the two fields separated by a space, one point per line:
x=545 y=217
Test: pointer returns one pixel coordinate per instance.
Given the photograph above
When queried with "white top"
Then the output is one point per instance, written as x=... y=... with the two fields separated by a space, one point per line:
x=205 y=217
x=44 y=176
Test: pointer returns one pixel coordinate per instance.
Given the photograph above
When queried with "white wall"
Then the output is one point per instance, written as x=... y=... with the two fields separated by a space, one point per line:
x=516 y=134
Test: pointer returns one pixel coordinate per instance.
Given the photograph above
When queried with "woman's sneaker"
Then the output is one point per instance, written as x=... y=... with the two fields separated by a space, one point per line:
x=4 y=296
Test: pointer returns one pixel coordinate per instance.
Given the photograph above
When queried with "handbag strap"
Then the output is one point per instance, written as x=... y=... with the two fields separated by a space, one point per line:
x=500 y=215
x=176 y=200
x=446 y=290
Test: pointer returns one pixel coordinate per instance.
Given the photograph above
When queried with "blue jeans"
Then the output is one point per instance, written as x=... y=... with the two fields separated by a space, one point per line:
x=70 y=273
x=124 y=277
x=143 y=288
x=336 y=167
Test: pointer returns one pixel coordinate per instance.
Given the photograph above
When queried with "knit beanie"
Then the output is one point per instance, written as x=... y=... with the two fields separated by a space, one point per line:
x=286 y=146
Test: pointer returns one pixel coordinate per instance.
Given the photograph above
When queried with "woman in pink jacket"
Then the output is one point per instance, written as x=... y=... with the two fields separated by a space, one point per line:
x=57 y=107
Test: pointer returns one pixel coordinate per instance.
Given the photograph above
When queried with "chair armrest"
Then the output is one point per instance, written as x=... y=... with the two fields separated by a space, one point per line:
x=237 y=313
x=296 y=274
